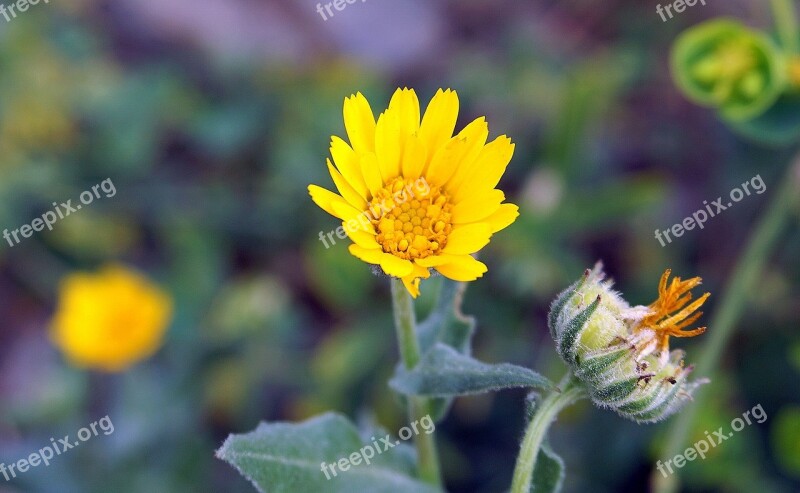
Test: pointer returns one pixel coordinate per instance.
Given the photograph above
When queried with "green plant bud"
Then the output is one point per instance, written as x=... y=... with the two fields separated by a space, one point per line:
x=728 y=66
x=619 y=352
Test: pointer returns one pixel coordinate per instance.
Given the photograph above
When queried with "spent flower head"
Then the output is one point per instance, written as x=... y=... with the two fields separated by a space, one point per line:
x=621 y=353
x=413 y=196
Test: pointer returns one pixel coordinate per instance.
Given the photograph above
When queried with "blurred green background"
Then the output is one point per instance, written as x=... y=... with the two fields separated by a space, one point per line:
x=211 y=118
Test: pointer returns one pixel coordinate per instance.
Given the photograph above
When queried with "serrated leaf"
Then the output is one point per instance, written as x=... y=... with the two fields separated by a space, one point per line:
x=548 y=473
x=444 y=372
x=288 y=457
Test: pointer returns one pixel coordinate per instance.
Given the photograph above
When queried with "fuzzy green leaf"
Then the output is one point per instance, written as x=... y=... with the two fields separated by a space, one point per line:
x=288 y=457
x=548 y=474
x=444 y=372
x=446 y=324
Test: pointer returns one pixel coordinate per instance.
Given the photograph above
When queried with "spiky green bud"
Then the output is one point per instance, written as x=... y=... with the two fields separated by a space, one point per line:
x=619 y=352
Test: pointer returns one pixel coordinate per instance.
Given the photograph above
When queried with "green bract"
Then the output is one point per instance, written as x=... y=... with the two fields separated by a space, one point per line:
x=728 y=66
x=616 y=358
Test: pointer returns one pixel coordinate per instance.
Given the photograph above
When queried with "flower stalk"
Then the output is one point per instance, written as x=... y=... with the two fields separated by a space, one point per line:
x=554 y=403
x=786 y=21
x=406 y=327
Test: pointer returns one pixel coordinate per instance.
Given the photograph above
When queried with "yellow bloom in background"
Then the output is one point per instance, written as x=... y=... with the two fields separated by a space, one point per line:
x=412 y=196
x=110 y=320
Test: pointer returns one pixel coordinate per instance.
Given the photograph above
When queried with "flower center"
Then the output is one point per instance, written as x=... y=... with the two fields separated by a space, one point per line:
x=411 y=218
x=735 y=60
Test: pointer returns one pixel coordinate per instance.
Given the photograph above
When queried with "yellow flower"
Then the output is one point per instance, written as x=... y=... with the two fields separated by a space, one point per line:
x=412 y=195
x=110 y=320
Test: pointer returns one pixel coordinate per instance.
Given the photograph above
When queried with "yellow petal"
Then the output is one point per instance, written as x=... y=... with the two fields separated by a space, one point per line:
x=388 y=144
x=350 y=195
x=414 y=155
x=396 y=266
x=368 y=255
x=474 y=135
x=467 y=239
x=371 y=172
x=325 y=198
x=433 y=260
x=407 y=105
x=439 y=120
x=412 y=285
x=487 y=170
x=362 y=238
x=503 y=217
x=391 y=265
x=479 y=207
x=347 y=162
x=354 y=218
x=445 y=160
x=411 y=281
x=359 y=122
x=420 y=271
x=462 y=268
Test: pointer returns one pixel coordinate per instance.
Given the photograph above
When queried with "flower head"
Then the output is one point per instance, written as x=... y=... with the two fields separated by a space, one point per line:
x=413 y=196
x=621 y=353
x=110 y=320
x=726 y=65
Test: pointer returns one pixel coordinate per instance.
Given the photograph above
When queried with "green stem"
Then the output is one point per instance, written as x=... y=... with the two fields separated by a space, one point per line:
x=406 y=326
x=786 y=21
x=546 y=413
x=741 y=285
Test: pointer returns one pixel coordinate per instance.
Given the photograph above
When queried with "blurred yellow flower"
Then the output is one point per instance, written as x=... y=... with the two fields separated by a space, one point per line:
x=413 y=196
x=110 y=320
x=794 y=71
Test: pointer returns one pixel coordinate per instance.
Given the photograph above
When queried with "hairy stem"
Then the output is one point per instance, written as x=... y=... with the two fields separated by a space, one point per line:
x=734 y=300
x=545 y=414
x=406 y=326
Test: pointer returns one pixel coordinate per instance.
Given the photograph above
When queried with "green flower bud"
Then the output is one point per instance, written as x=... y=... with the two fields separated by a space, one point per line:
x=725 y=65
x=621 y=353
